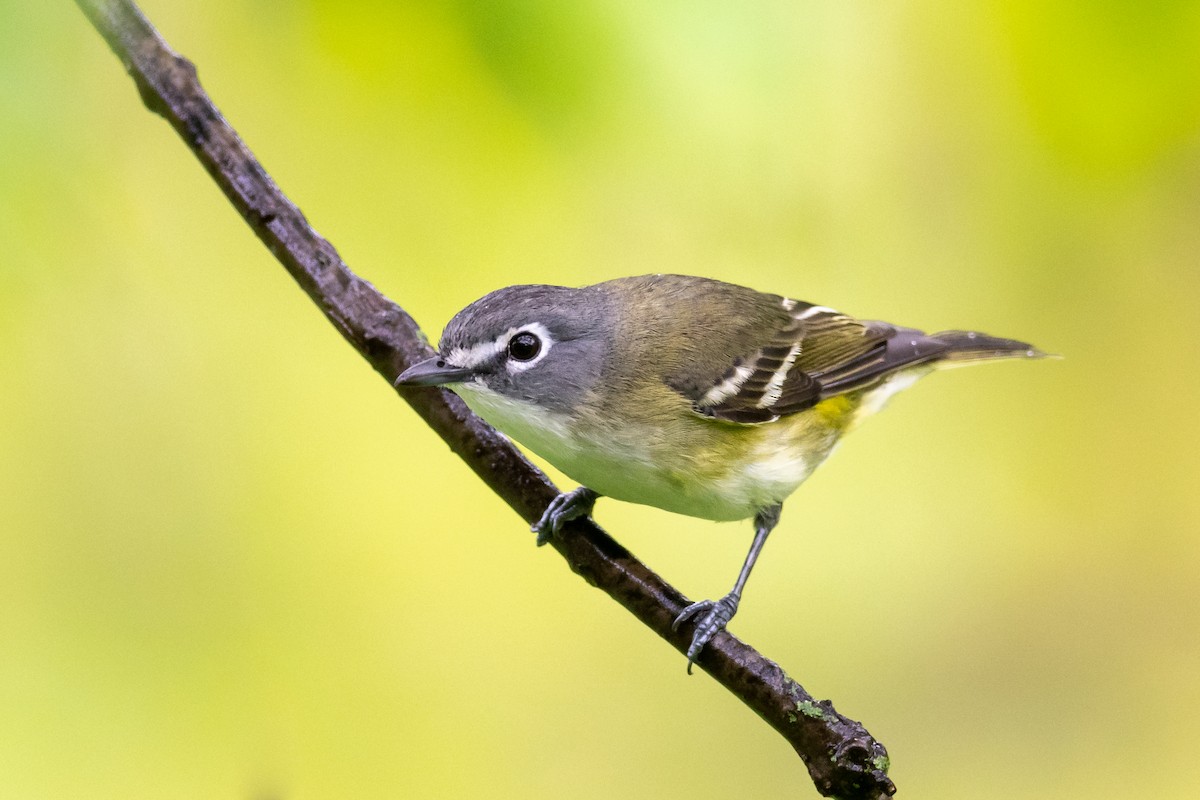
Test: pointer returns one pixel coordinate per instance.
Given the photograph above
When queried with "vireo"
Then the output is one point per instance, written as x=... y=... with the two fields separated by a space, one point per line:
x=689 y=394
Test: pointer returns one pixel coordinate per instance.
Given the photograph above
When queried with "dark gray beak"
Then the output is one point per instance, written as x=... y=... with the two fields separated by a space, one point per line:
x=433 y=372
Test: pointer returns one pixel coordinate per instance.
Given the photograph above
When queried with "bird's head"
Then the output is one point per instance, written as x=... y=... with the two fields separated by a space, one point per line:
x=544 y=345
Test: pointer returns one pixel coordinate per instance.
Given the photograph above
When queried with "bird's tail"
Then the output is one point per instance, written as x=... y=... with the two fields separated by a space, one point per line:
x=969 y=347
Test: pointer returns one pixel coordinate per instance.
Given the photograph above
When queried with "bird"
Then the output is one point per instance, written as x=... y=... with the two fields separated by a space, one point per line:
x=689 y=394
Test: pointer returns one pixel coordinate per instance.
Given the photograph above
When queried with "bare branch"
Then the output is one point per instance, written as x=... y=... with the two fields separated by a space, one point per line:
x=842 y=758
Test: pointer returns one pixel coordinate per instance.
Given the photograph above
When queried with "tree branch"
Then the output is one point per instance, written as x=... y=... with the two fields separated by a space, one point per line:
x=842 y=758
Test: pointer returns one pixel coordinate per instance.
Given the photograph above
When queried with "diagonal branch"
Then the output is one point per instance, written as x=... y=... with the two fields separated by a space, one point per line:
x=842 y=758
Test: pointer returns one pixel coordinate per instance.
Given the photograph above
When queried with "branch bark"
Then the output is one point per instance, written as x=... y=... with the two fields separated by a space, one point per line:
x=843 y=759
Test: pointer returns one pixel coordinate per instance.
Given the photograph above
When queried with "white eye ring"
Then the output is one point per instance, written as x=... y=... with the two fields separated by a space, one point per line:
x=534 y=329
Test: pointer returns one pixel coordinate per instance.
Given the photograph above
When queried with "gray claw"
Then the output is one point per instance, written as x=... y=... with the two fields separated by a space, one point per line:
x=562 y=509
x=716 y=615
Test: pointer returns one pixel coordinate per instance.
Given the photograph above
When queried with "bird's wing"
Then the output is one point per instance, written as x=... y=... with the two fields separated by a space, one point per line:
x=816 y=353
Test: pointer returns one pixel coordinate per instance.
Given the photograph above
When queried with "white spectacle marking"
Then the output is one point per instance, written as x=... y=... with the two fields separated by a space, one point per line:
x=774 y=388
x=482 y=352
x=728 y=387
x=788 y=304
x=812 y=312
x=476 y=354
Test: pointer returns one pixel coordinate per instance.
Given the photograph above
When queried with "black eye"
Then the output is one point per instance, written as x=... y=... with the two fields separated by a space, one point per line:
x=524 y=346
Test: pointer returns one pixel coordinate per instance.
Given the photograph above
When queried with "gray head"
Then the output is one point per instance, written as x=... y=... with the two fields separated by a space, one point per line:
x=539 y=344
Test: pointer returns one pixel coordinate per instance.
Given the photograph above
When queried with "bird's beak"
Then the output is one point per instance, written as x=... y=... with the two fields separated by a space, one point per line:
x=433 y=372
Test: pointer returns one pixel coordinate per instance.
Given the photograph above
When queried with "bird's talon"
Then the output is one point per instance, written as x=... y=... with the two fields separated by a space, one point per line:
x=716 y=616
x=561 y=510
x=689 y=612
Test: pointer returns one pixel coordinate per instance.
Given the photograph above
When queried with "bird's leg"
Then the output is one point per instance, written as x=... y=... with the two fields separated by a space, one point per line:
x=562 y=509
x=713 y=615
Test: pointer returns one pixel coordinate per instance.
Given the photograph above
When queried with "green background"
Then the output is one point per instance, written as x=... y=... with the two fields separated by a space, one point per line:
x=234 y=564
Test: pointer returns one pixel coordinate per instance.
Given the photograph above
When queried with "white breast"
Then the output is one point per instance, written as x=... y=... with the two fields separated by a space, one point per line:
x=623 y=465
x=544 y=432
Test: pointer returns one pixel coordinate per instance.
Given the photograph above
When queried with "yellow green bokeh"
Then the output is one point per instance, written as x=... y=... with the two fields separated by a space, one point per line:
x=233 y=564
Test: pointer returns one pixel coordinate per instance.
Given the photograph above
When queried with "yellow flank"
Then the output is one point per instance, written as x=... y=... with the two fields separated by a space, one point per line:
x=838 y=412
x=730 y=471
x=683 y=462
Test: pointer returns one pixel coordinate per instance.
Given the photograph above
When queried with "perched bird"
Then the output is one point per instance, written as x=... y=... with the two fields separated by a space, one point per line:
x=693 y=395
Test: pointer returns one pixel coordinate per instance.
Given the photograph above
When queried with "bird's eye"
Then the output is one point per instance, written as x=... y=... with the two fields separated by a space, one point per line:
x=524 y=346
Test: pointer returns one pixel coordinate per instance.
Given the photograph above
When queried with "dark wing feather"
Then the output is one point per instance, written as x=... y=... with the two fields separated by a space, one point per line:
x=818 y=353
x=896 y=348
x=774 y=356
x=783 y=376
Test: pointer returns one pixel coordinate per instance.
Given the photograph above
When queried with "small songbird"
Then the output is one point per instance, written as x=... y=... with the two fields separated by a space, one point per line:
x=693 y=395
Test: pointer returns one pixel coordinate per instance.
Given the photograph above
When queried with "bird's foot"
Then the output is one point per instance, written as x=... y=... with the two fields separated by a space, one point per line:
x=711 y=617
x=562 y=509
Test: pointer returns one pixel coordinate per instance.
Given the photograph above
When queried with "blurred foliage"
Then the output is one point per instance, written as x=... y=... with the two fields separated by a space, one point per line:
x=233 y=565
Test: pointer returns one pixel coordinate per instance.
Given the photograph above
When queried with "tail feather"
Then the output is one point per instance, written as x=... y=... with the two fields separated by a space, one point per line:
x=901 y=349
x=966 y=347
